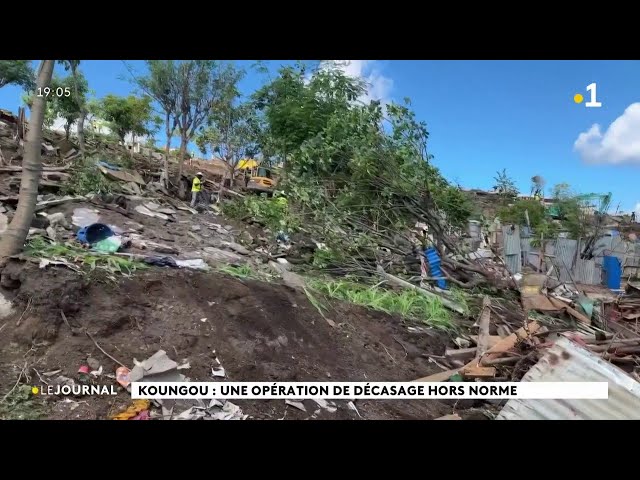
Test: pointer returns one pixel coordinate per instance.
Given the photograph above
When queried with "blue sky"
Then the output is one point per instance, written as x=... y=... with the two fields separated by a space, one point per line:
x=484 y=116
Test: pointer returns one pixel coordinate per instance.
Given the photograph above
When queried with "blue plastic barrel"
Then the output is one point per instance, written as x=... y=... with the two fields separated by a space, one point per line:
x=94 y=233
x=433 y=259
x=612 y=271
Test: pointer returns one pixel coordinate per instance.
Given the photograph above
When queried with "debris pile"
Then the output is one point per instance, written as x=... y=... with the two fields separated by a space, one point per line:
x=160 y=368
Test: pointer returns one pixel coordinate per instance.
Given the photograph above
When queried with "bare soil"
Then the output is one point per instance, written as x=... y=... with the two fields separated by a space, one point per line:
x=259 y=331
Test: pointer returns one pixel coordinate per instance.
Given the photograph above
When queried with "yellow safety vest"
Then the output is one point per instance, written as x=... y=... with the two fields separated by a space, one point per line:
x=197 y=185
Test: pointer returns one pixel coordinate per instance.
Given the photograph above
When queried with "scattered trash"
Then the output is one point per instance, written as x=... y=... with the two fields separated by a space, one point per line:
x=154 y=207
x=195 y=264
x=215 y=411
x=453 y=416
x=352 y=406
x=108 y=245
x=157 y=368
x=184 y=366
x=160 y=261
x=145 y=211
x=219 y=370
x=298 y=405
x=330 y=407
x=203 y=319
x=83 y=217
x=94 y=233
x=143 y=415
x=45 y=262
x=137 y=407
x=122 y=376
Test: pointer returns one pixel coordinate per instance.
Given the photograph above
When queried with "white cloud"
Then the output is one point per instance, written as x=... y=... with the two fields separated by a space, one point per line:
x=379 y=87
x=619 y=144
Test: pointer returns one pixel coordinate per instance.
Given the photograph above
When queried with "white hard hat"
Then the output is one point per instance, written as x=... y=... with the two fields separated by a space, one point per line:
x=199 y=173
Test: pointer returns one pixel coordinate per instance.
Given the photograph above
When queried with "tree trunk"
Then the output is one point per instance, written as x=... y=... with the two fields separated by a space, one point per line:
x=13 y=239
x=67 y=130
x=183 y=150
x=221 y=189
x=83 y=115
x=167 y=148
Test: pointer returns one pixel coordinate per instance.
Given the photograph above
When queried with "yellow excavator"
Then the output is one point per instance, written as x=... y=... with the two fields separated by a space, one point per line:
x=258 y=179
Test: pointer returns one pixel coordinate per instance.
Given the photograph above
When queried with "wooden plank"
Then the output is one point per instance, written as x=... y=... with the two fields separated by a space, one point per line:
x=492 y=339
x=483 y=332
x=460 y=353
x=509 y=342
x=478 y=371
x=438 y=377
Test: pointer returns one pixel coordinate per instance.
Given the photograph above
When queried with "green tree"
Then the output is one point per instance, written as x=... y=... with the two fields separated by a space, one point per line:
x=353 y=166
x=159 y=84
x=198 y=88
x=50 y=114
x=80 y=89
x=230 y=130
x=71 y=104
x=17 y=72
x=13 y=239
x=570 y=211
x=127 y=115
x=505 y=185
x=296 y=108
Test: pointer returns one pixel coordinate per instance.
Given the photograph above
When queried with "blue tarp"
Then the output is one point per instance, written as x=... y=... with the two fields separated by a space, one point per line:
x=612 y=271
x=108 y=165
x=433 y=259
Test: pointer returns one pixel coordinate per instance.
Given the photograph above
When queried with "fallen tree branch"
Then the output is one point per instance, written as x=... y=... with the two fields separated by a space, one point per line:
x=102 y=350
x=403 y=283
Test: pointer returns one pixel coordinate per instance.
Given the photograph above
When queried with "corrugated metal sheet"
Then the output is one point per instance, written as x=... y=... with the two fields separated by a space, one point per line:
x=569 y=362
x=511 y=240
x=525 y=244
x=585 y=271
x=564 y=254
x=513 y=263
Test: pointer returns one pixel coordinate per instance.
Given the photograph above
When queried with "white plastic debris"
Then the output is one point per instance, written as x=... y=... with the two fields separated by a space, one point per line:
x=298 y=405
x=195 y=263
x=83 y=217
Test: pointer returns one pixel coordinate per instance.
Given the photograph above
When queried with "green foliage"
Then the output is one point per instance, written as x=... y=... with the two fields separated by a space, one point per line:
x=21 y=404
x=17 y=72
x=352 y=170
x=515 y=213
x=273 y=212
x=69 y=107
x=505 y=185
x=570 y=211
x=128 y=115
x=455 y=204
x=231 y=131
x=567 y=210
x=86 y=178
x=49 y=113
x=406 y=303
x=88 y=260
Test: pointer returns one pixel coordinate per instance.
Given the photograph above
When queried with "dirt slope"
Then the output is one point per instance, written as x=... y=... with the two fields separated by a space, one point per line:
x=260 y=332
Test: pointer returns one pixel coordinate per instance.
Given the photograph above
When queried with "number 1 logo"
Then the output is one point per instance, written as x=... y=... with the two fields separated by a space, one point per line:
x=593 y=102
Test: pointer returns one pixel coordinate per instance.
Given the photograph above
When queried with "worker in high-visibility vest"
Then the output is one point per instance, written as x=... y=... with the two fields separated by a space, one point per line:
x=196 y=188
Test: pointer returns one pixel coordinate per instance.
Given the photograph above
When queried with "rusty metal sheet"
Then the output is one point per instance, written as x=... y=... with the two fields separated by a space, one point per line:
x=568 y=362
